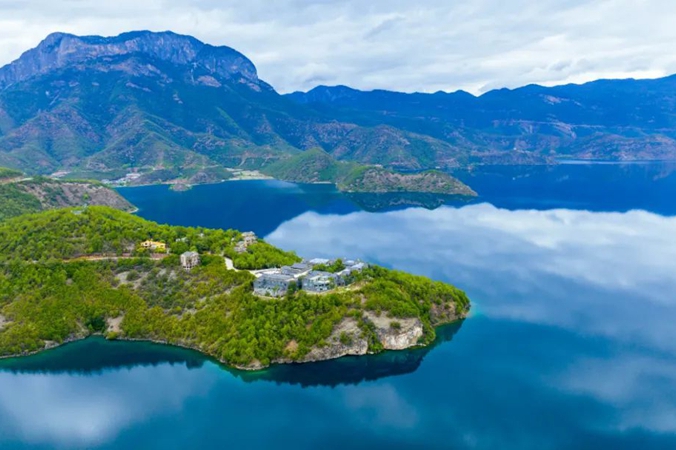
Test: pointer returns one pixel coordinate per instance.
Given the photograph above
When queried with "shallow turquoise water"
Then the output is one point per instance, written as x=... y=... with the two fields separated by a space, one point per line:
x=571 y=344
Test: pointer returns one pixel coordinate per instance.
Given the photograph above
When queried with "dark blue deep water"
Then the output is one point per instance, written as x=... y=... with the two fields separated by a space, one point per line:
x=571 y=344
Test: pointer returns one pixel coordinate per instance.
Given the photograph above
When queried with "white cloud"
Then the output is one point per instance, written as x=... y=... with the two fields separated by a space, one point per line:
x=427 y=45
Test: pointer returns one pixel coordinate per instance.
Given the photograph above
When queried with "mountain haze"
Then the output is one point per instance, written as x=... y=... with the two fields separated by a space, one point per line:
x=162 y=100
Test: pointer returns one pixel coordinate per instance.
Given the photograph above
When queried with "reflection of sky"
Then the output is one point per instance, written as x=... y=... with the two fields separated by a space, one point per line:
x=571 y=346
x=595 y=272
x=72 y=411
x=607 y=276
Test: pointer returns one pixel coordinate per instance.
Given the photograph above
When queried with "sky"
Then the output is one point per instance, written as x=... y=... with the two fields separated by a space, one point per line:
x=423 y=45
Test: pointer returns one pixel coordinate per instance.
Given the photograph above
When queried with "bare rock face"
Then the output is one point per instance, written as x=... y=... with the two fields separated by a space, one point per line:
x=61 y=50
x=396 y=334
x=67 y=194
x=345 y=340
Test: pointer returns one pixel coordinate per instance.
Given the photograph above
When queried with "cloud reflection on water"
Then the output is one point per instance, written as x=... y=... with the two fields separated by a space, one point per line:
x=573 y=343
x=608 y=276
x=70 y=411
x=592 y=272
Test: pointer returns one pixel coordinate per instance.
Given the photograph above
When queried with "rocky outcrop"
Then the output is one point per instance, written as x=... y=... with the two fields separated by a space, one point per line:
x=345 y=340
x=63 y=194
x=445 y=313
x=396 y=334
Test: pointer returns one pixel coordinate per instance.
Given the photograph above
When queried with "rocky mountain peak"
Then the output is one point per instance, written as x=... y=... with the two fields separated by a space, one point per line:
x=62 y=50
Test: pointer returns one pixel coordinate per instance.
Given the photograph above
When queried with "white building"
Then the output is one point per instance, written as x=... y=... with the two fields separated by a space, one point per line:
x=189 y=260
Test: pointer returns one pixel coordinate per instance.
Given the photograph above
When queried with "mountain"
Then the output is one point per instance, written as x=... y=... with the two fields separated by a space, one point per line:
x=605 y=120
x=317 y=166
x=163 y=100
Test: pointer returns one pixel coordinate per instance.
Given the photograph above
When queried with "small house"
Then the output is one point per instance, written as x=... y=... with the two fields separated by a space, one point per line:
x=190 y=260
x=248 y=239
x=154 y=246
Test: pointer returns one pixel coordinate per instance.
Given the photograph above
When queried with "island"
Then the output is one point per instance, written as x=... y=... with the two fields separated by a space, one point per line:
x=68 y=274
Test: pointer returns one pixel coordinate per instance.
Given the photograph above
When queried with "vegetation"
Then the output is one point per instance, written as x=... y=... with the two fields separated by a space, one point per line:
x=261 y=255
x=15 y=201
x=41 y=193
x=6 y=174
x=335 y=267
x=67 y=274
x=317 y=166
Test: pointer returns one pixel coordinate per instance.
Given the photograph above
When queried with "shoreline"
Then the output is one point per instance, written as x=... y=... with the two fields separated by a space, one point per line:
x=250 y=369
x=315 y=183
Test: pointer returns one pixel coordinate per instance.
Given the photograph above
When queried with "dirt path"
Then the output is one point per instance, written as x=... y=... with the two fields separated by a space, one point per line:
x=229 y=264
x=14 y=180
x=157 y=257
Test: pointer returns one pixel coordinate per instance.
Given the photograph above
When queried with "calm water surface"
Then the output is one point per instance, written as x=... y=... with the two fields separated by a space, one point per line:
x=571 y=344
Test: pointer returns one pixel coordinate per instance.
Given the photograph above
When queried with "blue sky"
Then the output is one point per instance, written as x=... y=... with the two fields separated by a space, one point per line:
x=426 y=45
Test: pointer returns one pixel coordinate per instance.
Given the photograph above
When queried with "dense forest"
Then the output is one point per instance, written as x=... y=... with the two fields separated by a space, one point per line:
x=69 y=273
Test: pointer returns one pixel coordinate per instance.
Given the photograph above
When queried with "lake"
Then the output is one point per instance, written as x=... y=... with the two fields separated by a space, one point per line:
x=571 y=343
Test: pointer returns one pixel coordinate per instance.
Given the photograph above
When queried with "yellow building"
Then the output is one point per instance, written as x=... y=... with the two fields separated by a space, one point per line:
x=154 y=246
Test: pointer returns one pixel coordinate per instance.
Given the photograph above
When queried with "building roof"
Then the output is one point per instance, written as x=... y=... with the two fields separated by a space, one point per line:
x=317 y=275
x=319 y=261
x=190 y=254
x=276 y=277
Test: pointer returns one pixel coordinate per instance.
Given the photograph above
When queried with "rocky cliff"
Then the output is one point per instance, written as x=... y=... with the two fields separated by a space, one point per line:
x=349 y=339
x=24 y=196
x=61 y=50
x=64 y=194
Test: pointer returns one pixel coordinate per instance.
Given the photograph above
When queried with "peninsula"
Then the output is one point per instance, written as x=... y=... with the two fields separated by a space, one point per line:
x=68 y=274
x=318 y=166
x=20 y=194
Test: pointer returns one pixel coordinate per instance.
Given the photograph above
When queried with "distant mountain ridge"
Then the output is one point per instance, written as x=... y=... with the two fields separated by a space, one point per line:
x=605 y=119
x=163 y=100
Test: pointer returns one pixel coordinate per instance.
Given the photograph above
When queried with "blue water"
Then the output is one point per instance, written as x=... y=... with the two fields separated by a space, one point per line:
x=571 y=344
